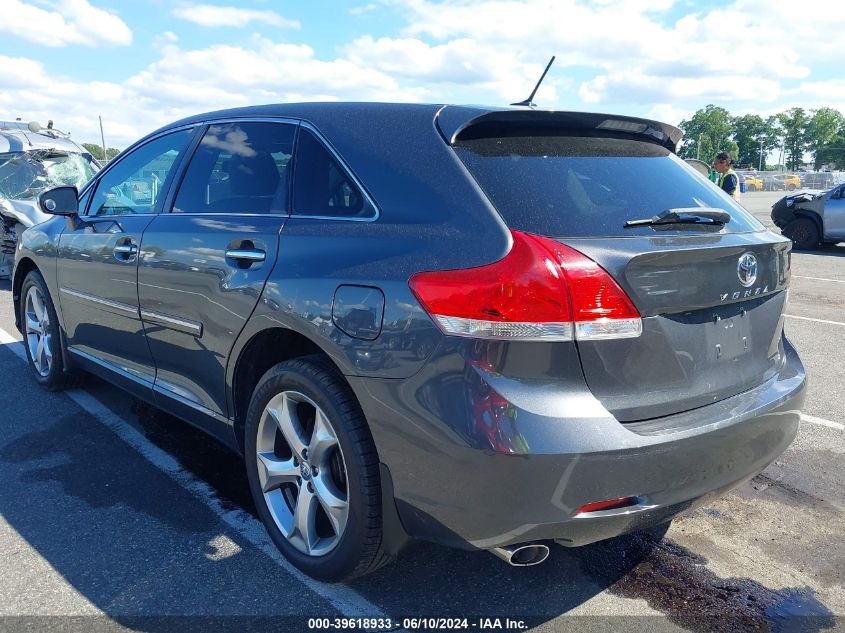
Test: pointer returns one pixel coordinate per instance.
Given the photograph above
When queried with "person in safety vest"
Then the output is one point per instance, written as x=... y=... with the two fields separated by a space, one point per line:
x=728 y=179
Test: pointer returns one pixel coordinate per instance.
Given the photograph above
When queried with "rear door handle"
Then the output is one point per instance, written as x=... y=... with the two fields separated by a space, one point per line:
x=250 y=255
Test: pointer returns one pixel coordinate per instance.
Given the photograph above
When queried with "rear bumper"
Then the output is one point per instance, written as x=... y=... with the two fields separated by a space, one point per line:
x=525 y=477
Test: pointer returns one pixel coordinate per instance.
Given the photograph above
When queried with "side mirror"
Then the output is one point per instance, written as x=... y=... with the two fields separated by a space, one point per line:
x=59 y=201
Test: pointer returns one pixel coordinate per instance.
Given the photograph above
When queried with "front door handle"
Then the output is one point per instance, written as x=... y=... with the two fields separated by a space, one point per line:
x=125 y=251
x=246 y=255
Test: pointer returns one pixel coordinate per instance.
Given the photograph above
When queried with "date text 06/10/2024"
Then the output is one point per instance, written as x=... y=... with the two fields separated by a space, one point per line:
x=417 y=624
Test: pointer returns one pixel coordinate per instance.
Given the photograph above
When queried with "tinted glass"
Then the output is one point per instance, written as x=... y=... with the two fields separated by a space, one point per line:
x=589 y=187
x=239 y=168
x=135 y=183
x=322 y=187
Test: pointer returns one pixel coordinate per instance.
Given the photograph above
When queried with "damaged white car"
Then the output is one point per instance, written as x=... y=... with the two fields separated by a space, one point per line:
x=812 y=218
x=33 y=159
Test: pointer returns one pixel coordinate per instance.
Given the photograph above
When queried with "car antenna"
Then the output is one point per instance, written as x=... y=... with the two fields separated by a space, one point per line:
x=528 y=102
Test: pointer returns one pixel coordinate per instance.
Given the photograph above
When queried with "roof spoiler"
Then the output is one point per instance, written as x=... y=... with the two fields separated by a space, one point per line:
x=505 y=122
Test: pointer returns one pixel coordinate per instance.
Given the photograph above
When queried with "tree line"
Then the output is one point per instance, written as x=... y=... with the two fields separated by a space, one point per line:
x=750 y=138
x=97 y=151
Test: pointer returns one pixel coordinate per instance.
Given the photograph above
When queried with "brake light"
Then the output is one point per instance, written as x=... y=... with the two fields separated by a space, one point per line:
x=541 y=290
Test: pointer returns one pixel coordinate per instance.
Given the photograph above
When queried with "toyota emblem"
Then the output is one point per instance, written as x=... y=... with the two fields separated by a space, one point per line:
x=746 y=269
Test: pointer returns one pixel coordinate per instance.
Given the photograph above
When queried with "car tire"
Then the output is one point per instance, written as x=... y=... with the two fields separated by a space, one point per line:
x=804 y=234
x=42 y=336
x=791 y=188
x=334 y=532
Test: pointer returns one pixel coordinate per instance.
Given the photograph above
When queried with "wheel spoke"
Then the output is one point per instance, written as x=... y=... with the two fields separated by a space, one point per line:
x=273 y=472
x=33 y=326
x=288 y=423
x=333 y=503
x=39 y=353
x=304 y=518
x=322 y=439
x=38 y=306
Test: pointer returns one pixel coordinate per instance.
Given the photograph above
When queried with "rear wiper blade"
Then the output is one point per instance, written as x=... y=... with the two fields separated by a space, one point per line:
x=693 y=215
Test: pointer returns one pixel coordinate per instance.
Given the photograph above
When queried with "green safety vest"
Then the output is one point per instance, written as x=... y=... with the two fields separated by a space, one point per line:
x=735 y=194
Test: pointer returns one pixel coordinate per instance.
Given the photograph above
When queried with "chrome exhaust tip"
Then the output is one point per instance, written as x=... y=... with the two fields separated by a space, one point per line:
x=522 y=555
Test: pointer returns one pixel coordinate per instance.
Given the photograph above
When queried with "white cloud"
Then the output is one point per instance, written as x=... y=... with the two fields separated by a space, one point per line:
x=225 y=75
x=67 y=22
x=212 y=15
x=410 y=57
x=579 y=33
x=458 y=67
x=822 y=91
x=165 y=39
x=746 y=49
x=184 y=82
x=641 y=88
x=621 y=55
x=360 y=10
x=668 y=113
x=19 y=72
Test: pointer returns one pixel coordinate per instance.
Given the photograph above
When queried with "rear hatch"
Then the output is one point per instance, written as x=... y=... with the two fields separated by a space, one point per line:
x=711 y=295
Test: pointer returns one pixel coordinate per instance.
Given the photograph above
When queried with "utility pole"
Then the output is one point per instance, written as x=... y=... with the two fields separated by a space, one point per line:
x=103 y=139
x=760 y=168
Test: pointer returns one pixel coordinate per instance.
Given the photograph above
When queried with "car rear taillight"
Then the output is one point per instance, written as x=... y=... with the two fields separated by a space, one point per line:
x=541 y=290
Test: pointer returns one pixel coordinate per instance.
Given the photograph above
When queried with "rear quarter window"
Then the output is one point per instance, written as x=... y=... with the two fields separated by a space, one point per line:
x=568 y=186
x=322 y=187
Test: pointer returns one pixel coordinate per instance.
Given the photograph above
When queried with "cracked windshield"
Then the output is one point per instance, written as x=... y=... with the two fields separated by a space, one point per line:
x=23 y=175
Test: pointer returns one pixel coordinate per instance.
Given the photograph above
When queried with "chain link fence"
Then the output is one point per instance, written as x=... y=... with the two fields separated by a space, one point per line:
x=752 y=181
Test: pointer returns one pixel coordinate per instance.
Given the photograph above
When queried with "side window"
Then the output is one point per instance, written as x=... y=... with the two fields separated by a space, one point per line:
x=239 y=168
x=322 y=187
x=134 y=184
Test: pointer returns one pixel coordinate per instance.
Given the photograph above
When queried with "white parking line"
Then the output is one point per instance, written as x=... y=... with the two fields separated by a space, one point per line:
x=839 y=281
x=822 y=422
x=349 y=602
x=14 y=344
x=793 y=316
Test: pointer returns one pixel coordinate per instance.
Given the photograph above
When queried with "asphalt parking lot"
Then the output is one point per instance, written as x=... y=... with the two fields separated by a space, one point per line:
x=116 y=516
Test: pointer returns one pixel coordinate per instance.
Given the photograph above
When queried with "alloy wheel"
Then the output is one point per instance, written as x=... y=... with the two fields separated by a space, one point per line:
x=302 y=473
x=37 y=330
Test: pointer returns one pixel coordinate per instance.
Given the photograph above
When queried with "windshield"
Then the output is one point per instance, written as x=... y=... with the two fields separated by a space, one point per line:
x=23 y=175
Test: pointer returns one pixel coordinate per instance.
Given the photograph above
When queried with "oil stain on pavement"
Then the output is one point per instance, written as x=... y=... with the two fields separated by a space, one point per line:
x=677 y=582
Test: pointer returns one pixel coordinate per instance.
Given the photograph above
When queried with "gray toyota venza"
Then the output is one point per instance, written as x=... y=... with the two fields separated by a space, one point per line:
x=493 y=329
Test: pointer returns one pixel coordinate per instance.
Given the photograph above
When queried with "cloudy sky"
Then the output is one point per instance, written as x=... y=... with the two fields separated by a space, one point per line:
x=143 y=63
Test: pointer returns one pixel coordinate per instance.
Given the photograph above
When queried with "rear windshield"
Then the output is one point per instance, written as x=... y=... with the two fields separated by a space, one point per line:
x=565 y=186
